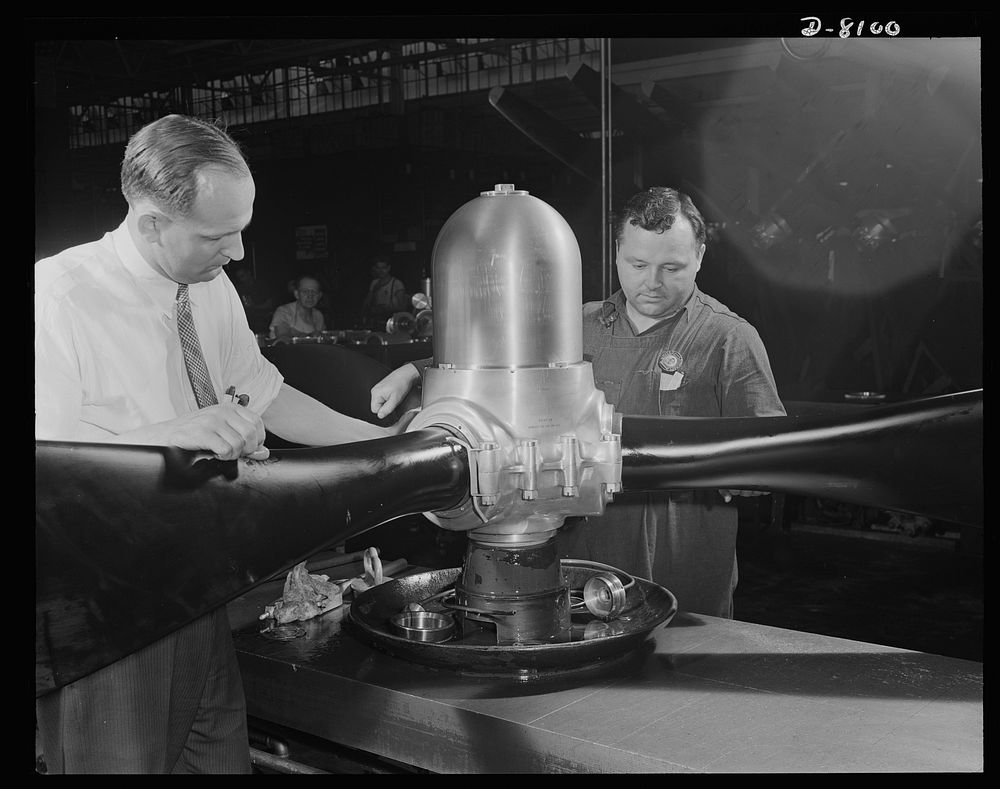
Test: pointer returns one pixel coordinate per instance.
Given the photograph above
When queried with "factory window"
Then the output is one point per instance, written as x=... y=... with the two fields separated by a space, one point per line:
x=388 y=75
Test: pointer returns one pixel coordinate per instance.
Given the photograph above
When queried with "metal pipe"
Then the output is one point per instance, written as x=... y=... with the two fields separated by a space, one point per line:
x=607 y=257
x=274 y=745
x=282 y=764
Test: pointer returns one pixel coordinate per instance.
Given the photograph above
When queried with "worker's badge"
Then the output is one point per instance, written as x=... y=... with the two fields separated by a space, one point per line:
x=670 y=376
x=670 y=361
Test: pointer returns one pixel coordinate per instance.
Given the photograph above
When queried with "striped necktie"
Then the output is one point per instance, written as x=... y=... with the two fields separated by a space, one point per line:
x=197 y=371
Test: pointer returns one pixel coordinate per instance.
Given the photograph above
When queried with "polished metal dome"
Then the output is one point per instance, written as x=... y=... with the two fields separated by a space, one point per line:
x=508 y=290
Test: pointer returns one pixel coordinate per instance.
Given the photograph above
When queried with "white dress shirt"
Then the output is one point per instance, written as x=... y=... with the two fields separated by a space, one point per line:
x=108 y=357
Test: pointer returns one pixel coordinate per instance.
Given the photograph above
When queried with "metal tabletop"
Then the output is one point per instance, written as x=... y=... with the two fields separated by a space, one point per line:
x=703 y=695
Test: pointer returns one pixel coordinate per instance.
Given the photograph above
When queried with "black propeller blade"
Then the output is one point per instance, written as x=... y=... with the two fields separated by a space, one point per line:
x=134 y=542
x=922 y=456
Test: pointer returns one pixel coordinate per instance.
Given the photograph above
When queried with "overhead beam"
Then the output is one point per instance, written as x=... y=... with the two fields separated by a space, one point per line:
x=548 y=133
x=677 y=109
x=664 y=150
x=626 y=112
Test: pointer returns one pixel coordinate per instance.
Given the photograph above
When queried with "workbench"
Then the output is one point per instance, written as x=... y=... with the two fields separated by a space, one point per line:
x=702 y=695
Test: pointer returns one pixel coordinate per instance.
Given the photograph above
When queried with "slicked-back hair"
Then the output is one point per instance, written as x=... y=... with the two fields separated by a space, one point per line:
x=163 y=159
x=656 y=209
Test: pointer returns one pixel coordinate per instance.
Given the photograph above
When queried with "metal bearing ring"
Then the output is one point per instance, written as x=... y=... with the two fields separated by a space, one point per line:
x=604 y=595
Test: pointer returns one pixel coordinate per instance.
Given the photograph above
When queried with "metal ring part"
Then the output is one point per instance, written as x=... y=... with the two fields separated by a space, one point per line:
x=423 y=626
x=604 y=595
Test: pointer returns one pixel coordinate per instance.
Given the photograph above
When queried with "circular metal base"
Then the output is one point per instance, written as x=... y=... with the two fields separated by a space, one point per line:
x=594 y=641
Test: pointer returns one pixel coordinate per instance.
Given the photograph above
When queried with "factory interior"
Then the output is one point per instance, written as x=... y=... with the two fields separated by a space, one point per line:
x=841 y=183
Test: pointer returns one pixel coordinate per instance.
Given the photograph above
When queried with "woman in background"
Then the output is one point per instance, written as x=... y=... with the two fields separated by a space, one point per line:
x=300 y=318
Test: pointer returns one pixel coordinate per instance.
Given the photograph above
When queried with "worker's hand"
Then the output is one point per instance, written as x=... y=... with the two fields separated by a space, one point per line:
x=727 y=495
x=388 y=393
x=227 y=430
x=403 y=422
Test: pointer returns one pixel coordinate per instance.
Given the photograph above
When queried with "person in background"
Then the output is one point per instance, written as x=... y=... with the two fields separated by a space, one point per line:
x=136 y=338
x=661 y=347
x=300 y=318
x=386 y=296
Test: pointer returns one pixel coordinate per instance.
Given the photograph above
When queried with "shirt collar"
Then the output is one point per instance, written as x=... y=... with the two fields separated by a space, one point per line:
x=160 y=289
x=617 y=302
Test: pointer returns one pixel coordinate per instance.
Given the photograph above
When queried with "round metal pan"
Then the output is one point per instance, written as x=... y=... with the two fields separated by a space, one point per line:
x=647 y=607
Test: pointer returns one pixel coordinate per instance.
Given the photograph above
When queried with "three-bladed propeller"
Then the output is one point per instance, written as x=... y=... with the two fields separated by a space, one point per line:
x=133 y=542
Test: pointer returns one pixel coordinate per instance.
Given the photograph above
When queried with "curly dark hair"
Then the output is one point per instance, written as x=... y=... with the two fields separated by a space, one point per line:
x=656 y=209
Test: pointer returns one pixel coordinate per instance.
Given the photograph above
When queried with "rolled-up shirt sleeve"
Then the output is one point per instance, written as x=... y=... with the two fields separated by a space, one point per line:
x=746 y=382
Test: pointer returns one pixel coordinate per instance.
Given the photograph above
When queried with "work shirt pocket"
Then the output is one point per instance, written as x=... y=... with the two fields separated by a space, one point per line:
x=673 y=402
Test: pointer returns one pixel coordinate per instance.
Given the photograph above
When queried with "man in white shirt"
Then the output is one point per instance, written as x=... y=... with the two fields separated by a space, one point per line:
x=109 y=367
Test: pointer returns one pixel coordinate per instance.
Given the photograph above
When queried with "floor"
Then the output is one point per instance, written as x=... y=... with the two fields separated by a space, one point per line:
x=840 y=582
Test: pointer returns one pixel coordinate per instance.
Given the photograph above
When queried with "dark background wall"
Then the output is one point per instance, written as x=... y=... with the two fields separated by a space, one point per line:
x=819 y=140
